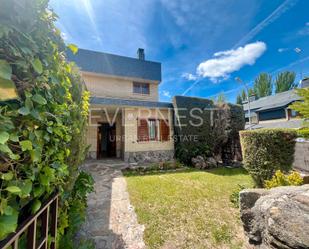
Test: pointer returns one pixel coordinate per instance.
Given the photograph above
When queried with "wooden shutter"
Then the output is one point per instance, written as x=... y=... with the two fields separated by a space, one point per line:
x=142 y=130
x=164 y=130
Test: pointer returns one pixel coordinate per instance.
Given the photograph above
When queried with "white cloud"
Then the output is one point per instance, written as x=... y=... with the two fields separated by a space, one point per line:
x=189 y=76
x=226 y=62
x=166 y=94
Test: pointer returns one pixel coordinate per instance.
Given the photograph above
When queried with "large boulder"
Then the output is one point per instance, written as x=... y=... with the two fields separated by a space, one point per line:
x=200 y=162
x=276 y=218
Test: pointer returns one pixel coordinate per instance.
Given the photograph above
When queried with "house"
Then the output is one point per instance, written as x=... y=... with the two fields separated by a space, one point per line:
x=273 y=111
x=126 y=118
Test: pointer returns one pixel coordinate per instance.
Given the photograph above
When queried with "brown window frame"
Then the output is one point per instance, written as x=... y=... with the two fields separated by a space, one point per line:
x=142 y=130
x=164 y=134
x=160 y=133
x=141 y=88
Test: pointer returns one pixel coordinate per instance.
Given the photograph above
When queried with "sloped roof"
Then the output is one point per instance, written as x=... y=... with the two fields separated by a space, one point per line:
x=126 y=102
x=115 y=65
x=274 y=101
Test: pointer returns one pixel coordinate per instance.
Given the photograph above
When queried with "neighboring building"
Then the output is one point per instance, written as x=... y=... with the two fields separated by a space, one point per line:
x=126 y=119
x=273 y=111
x=305 y=82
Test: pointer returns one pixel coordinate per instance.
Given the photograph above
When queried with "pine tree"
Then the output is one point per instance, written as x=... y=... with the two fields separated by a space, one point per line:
x=285 y=82
x=263 y=85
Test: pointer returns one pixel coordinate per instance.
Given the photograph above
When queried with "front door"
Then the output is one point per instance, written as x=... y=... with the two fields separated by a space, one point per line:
x=106 y=140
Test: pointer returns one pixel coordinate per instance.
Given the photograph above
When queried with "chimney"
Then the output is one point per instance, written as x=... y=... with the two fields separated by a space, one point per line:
x=141 y=54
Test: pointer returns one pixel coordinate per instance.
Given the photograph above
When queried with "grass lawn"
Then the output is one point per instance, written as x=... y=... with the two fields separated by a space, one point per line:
x=188 y=209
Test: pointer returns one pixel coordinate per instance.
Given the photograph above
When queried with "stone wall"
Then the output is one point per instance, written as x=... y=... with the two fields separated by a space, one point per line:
x=149 y=156
x=301 y=156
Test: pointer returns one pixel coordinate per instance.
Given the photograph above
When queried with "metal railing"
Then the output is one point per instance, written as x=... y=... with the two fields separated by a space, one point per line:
x=36 y=229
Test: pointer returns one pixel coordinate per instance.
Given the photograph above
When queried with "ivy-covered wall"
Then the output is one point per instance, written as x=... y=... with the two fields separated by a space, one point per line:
x=203 y=128
x=42 y=130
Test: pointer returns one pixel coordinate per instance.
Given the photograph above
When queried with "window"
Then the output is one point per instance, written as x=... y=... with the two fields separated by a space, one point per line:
x=141 y=88
x=294 y=113
x=152 y=129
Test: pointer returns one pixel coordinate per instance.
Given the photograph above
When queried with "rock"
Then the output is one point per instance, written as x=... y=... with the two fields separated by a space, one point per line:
x=211 y=162
x=276 y=218
x=142 y=157
x=199 y=162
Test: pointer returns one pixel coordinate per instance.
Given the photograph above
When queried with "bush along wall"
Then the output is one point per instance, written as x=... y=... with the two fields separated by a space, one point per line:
x=267 y=150
x=42 y=131
x=205 y=129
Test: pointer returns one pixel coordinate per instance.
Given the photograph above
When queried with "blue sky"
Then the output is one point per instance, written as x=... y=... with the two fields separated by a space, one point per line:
x=202 y=45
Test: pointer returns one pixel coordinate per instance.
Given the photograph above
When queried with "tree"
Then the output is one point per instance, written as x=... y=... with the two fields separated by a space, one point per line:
x=302 y=106
x=285 y=82
x=263 y=85
x=251 y=92
x=239 y=99
x=244 y=95
x=221 y=98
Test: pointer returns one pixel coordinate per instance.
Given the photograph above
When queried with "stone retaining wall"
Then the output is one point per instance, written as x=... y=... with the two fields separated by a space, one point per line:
x=301 y=156
x=149 y=156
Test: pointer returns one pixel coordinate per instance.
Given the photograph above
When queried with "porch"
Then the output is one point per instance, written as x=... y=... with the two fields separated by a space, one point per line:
x=115 y=132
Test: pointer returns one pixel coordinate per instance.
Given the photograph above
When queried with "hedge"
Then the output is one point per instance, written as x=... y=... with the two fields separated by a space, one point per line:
x=303 y=132
x=208 y=138
x=42 y=132
x=267 y=150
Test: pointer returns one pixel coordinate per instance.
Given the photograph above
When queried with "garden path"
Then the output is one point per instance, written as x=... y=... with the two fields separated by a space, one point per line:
x=111 y=221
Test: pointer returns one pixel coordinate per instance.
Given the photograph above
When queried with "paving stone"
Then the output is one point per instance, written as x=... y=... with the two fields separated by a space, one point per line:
x=111 y=220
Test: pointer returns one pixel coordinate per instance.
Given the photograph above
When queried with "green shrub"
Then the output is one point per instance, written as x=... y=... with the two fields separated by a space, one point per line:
x=220 y=125
x=161 y=166
x=302 y=107
x=234 y=197
x=280 y=179
x=303 y=132
x=77 y=212
x=267 y=150
x=42 y=133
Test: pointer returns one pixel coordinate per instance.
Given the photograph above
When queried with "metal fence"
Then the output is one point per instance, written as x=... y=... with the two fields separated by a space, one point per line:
x=38 y=231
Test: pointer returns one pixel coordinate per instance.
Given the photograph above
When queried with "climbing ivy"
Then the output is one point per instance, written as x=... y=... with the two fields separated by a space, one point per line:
x=43 y=114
